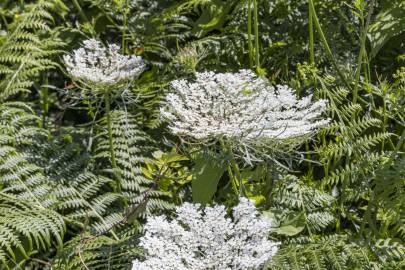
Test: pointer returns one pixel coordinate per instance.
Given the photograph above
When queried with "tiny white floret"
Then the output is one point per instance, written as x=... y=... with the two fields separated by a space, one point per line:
x=206 y=239
x=240 y=106
x=96 y=64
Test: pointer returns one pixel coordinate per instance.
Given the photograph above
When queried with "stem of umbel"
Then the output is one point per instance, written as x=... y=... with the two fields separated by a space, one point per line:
x=233 y=169
x=110 y=139
x=253 y=52
x=249 y=29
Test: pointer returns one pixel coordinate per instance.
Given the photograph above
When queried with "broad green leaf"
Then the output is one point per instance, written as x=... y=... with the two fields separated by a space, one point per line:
x=212 y=17
x=292 y=225
x=206 y=174
x=389 y=22
x=289 y=230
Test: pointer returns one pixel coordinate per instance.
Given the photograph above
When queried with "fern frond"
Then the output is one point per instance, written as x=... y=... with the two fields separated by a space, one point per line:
x=26 y=228
x=292 y=197
x=335 y=252
x=28 y=50
x=97 y=253
x=364 y=165
x=132 y=148
x=30 y=169
x=346 y=148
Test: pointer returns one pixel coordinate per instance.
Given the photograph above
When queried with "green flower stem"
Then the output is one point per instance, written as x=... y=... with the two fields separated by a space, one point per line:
x=362 y=52
x=385 y=119
x=110 y=138
x=311 y=61
x=326 y=45
x=237 y=173
x=233 y=169
x=367 y=70
x=256 y=24
x=269 y=184
x=80 y=10
x=229 y=168
x=124 y=28
x=83 y=15
x=232 y=177
x=249 y=29
x=308 y=157
x=5 y=22
x=45 y=101
x=311 y=36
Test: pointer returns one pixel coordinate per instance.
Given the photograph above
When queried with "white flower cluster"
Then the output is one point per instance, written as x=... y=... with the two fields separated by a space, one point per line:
x=207 y=240
x=96 y=64
x=239 y=105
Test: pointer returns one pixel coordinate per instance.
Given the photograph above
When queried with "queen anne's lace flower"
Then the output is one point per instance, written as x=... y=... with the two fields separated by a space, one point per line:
x=239 y=105
x=96 y=64
x=207 y=240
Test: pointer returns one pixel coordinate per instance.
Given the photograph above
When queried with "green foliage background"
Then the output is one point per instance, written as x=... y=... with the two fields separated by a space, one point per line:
x=338 y=204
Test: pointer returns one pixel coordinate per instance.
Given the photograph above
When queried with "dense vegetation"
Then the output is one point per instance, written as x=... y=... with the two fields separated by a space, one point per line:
x=79 y=172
